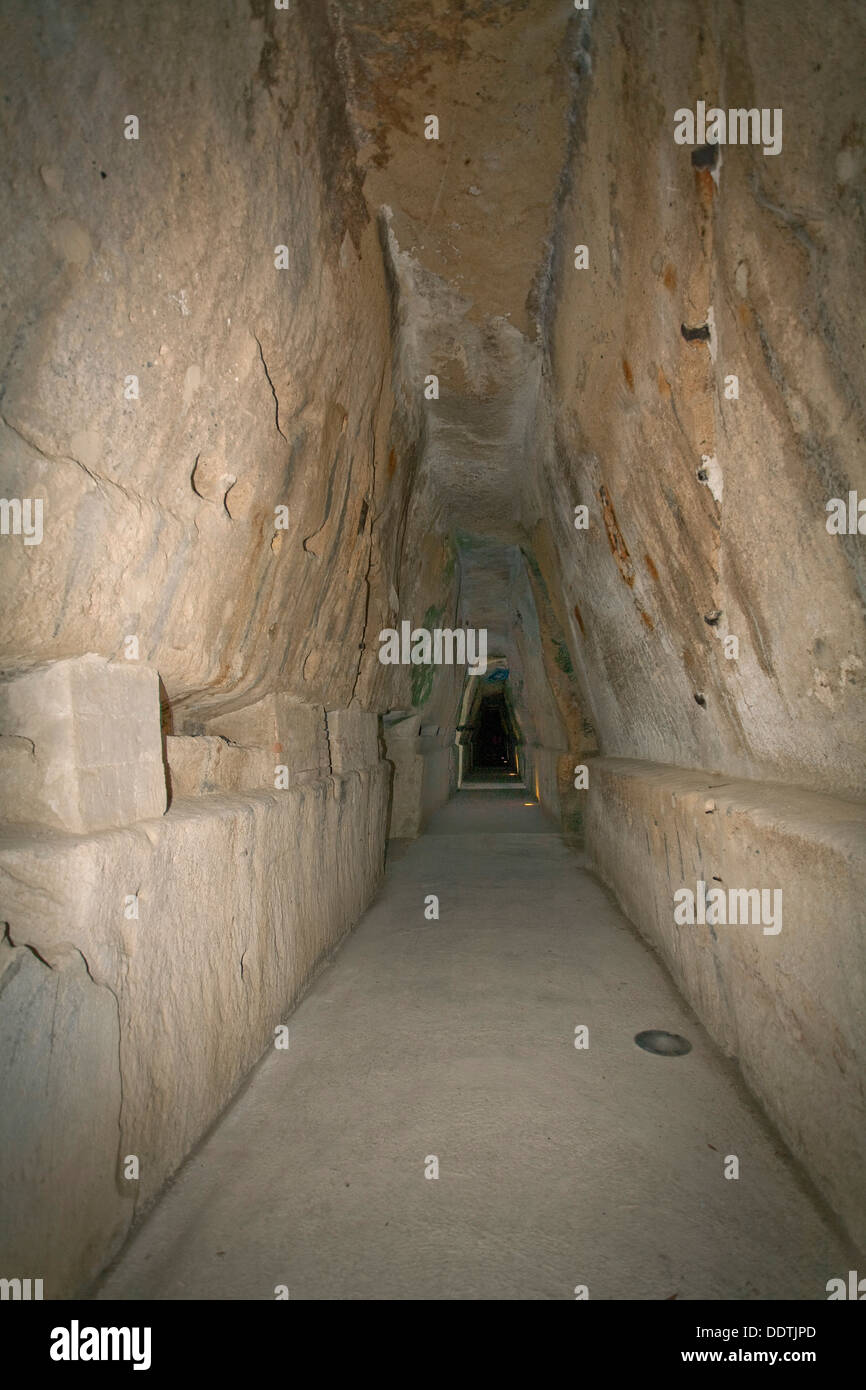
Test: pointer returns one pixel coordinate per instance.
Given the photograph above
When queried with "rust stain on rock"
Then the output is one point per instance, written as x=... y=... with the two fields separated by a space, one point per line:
x=628 y=374
x=706 y=187
x=670 y=278
x=615 y=539
x=654 y=574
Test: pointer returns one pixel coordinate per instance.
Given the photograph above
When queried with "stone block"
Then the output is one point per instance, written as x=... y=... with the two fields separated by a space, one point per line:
x=353 y=736
x=203 y=766
x=294 y=733
x=81 y=747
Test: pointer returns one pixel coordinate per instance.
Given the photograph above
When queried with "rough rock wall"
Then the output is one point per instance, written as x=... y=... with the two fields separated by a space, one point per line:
x=707 y=516
x=225 y=456
x=703 y=507
x=257 y=387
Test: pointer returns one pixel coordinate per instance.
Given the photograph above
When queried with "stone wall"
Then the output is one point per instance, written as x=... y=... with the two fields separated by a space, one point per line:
x=200 y=387
x=160 y=956
x=784 y=995
x=424 y=759
x=703 y=401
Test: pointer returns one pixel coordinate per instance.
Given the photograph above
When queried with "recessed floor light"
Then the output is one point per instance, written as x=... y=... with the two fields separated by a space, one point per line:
x=663 y=1044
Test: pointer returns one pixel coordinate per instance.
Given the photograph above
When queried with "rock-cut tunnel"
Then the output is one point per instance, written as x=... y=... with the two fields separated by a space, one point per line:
x=433 y=649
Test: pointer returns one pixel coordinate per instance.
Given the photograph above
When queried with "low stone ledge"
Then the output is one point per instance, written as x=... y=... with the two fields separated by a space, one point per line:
x=425 y=775
x=195 y=931
x=788 y=1003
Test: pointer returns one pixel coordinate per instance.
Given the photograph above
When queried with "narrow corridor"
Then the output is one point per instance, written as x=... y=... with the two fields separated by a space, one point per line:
x=433 y=544
x=454 y=1039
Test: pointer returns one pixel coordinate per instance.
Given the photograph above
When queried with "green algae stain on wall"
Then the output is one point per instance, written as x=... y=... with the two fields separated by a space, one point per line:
x=563 y=657
x=422 y=676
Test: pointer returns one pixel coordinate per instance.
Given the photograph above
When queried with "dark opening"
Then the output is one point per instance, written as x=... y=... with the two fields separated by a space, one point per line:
x=492 y=740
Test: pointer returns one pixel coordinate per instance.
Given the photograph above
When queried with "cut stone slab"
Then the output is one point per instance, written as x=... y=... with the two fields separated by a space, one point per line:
x=353 y=738
x=60 y=1098
x=203 y=766
x=293 y=732
x=82 y=747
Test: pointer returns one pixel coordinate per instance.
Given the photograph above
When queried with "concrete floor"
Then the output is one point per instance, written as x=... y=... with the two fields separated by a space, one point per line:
x=490 y=778
x=557 y=1167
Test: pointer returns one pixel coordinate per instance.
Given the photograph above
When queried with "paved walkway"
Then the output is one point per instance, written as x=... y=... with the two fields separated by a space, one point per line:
x=454 y=1038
